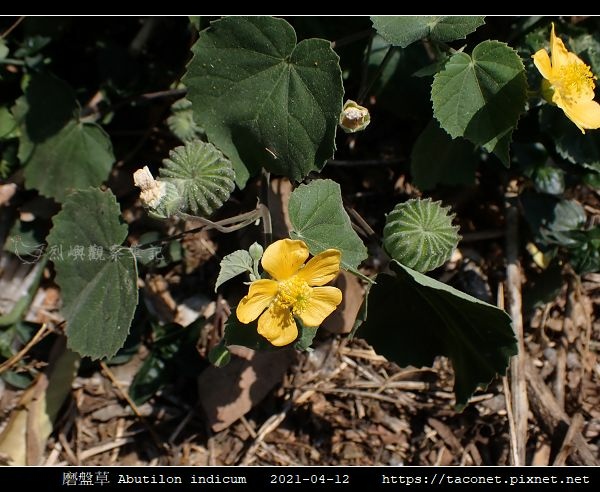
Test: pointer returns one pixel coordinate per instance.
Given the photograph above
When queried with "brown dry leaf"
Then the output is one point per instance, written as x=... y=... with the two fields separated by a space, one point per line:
x=229 y=392
x=341 y=321
x=30 y=423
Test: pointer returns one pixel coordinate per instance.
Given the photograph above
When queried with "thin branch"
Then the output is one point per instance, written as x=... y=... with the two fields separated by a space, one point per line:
x=517 y=376
x=125 y=395
x=40 y=335
x=150 y=96
x=365 y=68
x=239 y=221
x=512 y=430
x=12 y=27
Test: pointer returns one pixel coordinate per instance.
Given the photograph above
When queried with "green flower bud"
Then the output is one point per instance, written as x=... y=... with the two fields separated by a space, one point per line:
x=547 y=91
x=354 y=118
x=256 y=251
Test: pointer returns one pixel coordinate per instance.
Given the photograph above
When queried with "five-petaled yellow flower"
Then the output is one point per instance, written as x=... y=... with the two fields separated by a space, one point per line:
x=296 y=289
x=571 y=83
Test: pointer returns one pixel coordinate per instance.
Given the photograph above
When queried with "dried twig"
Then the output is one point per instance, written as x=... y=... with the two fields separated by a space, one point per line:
x=40 y=335
x=548 y=411
x=107 y=446
x=566 y=446
x=12 y=27
x=520 y=405
x=508 y=394
x=155 y=438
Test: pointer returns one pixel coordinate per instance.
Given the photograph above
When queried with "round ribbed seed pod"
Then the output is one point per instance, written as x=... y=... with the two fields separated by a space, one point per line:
x=202 y=174
x=420 y=235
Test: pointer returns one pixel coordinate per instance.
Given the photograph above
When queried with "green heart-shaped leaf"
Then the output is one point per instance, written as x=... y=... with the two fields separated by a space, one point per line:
x=78 y=156
x=264 y=100
x=413 y=318
x=404 y=30
x=480 y=97
x=96 y=275
x=319 y=219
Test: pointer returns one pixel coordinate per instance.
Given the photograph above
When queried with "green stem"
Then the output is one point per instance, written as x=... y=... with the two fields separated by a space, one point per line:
x=12 y=61
x=230 y=224
x=388 y=56
x=365 y=70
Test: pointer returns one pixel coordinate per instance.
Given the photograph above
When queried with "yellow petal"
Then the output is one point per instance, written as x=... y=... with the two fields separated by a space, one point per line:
x=560 y=54
x=321 y=304
x=321 y=269
x=278 y=326
x=542 y=62
x=259 y=296
x=283 y=258
x=585 y=114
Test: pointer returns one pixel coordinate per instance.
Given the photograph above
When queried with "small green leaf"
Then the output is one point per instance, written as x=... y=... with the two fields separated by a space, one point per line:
x=245 y=335
x=26 y=238
x=569 y=215
x=404 y=30
x=551 y=219
x=202 y=174
x=306 y=335
x=7 y=123
x=152 y=376
x=549 y=179
x=96 y=275
x=219 y=355
x=182 y=123
x=20 y=380
x=585 y=253
x=419 y=234
x=318 y=217
x=438 y=159
x=173 y=358
x=78 y=156
x=412 y=319
x=480 y=97
x=592 y=180
x=264 y=100
x=4 y=51
x=234 y=264
x=195 y=21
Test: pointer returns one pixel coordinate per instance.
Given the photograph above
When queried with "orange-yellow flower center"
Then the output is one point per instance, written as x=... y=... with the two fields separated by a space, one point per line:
x=293 y=293
x=574 y=80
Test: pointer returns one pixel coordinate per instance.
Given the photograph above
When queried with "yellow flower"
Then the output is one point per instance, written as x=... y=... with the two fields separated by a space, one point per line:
x=572 y=83
x=296 y=289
